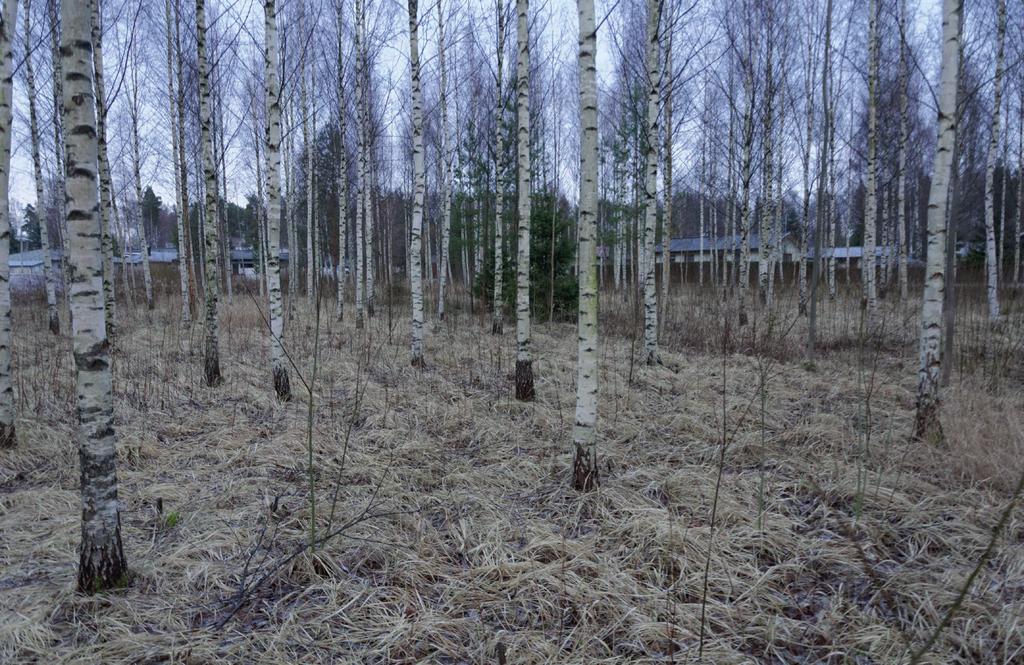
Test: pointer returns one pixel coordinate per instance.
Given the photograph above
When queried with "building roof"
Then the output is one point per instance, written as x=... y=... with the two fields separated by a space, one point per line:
x=688 y=245
x=31 y=258
x=170 y=254
x=248 y=253
x=856 y=252
x=163 y=254
x=130 y=258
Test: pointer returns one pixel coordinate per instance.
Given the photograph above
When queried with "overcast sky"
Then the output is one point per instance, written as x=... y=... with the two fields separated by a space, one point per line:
x=244 y=18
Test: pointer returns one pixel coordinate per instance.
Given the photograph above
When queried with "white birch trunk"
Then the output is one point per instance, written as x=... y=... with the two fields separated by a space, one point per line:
x=746 y=175
x=278 y=360
x=222 y=201
x=498 y=319
x=585 y=473
x=927 y=423
x=307 y=148
x=342 y=178
x=211 y=354
x=360 y=271
x=106 y=189
x=419 y=191
x=991 y=259
x=524 y=366
x=871 y=195
x=8 y=413
x=1020 y=193
x=901 y=185
x=666 y=234
x=37 y=166
x=654 y=8
x=370 y=239
x=261 y=222
x=446 y=175
x=134 y=111
x=810 y=72
x=58 y=142
x=102 y=563
x=180 y=214
x=768 y=166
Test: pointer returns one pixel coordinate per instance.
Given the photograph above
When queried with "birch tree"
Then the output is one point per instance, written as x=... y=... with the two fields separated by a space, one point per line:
x=666 y=225
x=585 y=474
x=991 y=260
x=8 y=24
x=446 y=164
x=342 y=173
x=365 y=189
x=767 y=165
x=419 y=188
x=524 y=365
x=179 y=177
x=307 y=149
x=871 y=193
x=272 y=96
x=654 y=8
x=52 y=12
x=360 y=165
x=823 y=174
x=927 y=424
x=102 y=564
x=1017 y=238
x=106 y=188
x=134 y=111
x=498 y=318
x=746 y=168
x=211 y=356
x=37 y=168
x=810 y=72
x=901 y=184
x=257 y=124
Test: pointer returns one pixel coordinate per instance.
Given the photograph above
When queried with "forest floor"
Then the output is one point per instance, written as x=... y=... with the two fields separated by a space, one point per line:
x=452 y=532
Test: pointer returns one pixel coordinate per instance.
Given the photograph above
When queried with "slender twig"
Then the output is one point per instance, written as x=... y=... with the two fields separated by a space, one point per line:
x=996 y=530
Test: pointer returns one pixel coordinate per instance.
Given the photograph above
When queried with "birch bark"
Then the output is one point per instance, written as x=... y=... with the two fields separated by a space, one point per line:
x=927 y=424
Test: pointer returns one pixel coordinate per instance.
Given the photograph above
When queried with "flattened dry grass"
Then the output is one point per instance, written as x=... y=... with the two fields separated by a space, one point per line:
x=828 y=545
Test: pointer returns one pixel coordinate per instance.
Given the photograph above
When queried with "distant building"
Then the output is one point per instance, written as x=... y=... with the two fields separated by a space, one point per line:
x=131 y=258
x=30 y=264
x=242 y=258
x=692 y=250
x=163 y=255
x=853 y=255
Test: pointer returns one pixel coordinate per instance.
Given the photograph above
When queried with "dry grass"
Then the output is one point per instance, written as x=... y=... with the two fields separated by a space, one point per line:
x=829 y=545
